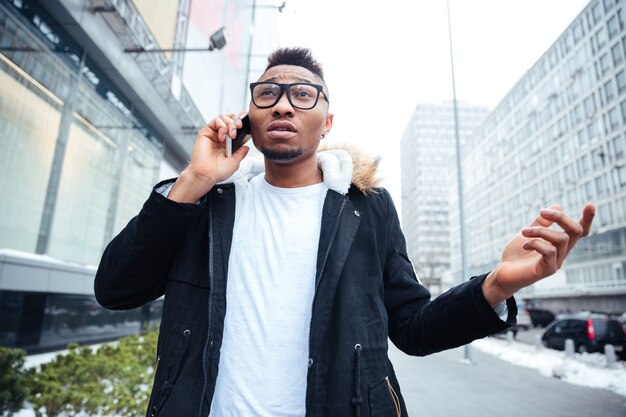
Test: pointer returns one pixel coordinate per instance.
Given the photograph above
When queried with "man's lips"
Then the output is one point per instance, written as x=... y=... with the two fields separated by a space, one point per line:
x=281 y=130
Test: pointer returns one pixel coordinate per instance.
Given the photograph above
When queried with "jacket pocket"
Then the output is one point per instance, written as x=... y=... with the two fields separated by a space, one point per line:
x=383 y=400
x=165 y=376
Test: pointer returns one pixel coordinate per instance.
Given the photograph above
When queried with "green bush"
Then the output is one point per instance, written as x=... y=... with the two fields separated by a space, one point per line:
x=13 y=389
x=113 y=380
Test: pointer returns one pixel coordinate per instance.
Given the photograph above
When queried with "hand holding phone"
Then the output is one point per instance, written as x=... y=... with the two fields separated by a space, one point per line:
x=243 y=135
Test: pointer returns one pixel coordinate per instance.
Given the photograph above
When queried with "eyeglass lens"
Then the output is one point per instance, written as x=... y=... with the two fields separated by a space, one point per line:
x=303 y=96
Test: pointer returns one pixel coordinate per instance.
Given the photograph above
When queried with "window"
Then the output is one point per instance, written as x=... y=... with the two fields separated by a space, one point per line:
x=612 y=119
x=598 y=157
x=621 y=81
x=588 y=190
x=596 y=12
x=604 y=64
x=619 y=147
x=583 y=165
x=621 y=176
x=592 y=131
x=612 y=26
x=601 y=185
x=603 y=215
x=582 y=137
x=578 y=31
x=576 y=115
x=608 y=4
x=617 y=54
x=623 y=106
x=601 y=38
x=609 y=91
x=590 y=106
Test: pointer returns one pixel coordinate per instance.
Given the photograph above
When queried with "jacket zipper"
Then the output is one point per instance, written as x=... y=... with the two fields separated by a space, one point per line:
x=205 y=370
x=156 y=368
x=394 y=397
x=317 y=282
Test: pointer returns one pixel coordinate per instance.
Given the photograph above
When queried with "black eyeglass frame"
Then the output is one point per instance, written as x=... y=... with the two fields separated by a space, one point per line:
x=286 y=88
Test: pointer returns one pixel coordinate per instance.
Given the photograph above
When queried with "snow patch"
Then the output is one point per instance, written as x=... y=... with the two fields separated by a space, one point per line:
x=587 y=369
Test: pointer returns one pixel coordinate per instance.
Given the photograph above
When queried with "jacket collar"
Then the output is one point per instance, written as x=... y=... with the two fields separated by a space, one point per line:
x=340 y=166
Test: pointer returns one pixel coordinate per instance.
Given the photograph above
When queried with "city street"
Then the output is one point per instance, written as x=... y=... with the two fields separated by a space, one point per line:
x=441 y=385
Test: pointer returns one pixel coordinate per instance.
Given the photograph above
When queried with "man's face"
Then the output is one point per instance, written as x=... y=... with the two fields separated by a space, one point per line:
x=282 y=132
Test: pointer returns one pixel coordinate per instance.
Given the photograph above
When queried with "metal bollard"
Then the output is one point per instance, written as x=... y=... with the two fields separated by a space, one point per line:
x=569 y=348
x=510 y=336
x=538 y=344
x=611 y=358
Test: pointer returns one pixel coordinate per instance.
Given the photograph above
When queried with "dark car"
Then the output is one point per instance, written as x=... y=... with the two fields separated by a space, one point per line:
x=540 y=317
x=590 y=333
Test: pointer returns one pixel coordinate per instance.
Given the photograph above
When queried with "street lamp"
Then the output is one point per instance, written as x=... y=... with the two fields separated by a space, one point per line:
x=218 y=40
x=459 y=175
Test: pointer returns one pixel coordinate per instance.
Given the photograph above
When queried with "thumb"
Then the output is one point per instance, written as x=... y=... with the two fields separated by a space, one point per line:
x=240 y=153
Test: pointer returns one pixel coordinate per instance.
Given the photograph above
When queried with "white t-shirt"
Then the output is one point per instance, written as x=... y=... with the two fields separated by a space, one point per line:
x=269 y=295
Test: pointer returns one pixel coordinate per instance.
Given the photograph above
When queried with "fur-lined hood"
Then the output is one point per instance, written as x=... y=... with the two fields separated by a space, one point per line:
x=341 y=166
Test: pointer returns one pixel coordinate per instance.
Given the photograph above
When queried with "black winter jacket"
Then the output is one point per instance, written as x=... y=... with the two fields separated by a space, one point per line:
x=366 y=292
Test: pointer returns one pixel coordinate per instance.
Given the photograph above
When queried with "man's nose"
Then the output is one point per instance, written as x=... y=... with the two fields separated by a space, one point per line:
x=283 y=105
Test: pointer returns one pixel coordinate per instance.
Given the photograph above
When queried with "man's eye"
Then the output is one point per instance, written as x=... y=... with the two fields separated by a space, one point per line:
x=267 y=92
x=303 y=94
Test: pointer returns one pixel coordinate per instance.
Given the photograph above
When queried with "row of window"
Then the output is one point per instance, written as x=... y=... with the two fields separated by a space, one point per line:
x=598 y=276
x=576 y=62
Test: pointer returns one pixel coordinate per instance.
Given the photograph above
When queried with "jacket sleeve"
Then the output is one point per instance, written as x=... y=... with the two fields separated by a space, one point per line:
x=135 y=264
x=419 y=325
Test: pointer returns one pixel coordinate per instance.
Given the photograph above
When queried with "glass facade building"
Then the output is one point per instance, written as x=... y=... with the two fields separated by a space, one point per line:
x=559 y=136
x=86 y=130
x=428 y=158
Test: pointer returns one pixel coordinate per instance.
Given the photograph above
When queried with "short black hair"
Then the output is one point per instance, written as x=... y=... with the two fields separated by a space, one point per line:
x=302 y=57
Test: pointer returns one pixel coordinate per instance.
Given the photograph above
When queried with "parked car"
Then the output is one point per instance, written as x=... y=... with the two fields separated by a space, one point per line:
x=541 y=317
x=590 y=333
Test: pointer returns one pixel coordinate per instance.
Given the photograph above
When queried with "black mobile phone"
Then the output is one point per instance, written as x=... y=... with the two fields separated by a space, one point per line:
x=243 y=135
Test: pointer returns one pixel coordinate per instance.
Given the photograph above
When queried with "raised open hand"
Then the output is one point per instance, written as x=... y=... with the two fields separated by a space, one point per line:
x=538 y=251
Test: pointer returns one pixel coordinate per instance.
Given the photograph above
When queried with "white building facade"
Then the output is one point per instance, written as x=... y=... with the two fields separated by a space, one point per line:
x=559 y=136
x=427 y=159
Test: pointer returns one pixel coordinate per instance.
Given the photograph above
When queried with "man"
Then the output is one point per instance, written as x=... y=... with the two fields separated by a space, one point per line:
x=284 y=279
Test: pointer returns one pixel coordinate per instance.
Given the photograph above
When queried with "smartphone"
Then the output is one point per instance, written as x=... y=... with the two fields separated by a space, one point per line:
x=243 y=135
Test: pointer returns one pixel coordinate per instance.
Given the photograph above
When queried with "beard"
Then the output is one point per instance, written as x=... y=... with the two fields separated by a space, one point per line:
x=280 y=155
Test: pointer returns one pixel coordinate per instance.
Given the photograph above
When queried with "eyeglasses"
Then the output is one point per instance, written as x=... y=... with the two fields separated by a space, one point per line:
x=303 y=96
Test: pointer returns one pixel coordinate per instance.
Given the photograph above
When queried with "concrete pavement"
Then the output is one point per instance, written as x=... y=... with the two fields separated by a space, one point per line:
x=441 y=385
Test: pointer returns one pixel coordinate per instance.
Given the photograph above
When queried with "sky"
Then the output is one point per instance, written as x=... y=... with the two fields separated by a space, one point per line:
x=381 y=59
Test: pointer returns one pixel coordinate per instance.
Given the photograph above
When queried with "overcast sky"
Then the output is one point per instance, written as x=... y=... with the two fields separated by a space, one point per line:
x=383 y=58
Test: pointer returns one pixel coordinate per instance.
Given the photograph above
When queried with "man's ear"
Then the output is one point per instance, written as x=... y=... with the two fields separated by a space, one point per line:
x=328 y=124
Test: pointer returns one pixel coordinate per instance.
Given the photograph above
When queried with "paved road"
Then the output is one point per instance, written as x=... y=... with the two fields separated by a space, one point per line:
x=529 y=336
x=441 y=385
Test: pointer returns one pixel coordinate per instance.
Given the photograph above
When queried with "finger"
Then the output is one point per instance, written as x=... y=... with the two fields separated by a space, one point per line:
x=240 y=153
x=566 y=222
x=569 y=225
x=589 y=212
x=238 y=121
x=541 y=221
x=225 y=126
x=559 y=239
x=231 y=122
x=216 y=129
x=548 y=255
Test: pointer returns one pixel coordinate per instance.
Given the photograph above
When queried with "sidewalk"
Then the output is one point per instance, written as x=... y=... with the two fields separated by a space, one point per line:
x=441 y=385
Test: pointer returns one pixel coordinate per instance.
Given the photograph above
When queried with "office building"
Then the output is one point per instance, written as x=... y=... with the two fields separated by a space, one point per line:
x=558 y=136
x=427 y=158
x=99 y=99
